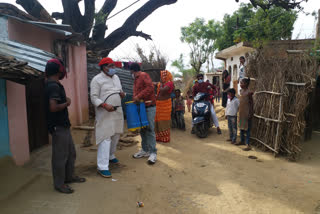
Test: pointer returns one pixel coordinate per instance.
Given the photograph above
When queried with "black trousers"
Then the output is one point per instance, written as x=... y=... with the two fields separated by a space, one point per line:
x=63 y=156
x=224 y=99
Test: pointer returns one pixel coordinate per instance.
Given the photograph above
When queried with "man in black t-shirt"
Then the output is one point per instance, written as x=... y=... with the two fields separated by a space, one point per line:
x=63 y=151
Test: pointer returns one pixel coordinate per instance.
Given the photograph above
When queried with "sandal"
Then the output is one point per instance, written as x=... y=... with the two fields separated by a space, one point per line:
x=64 y=189
x=76 y=179
x=219 y=130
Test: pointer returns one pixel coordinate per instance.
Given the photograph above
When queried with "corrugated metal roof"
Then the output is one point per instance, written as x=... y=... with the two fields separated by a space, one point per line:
x=66 y=30
x=35 y=57
x=126 y=81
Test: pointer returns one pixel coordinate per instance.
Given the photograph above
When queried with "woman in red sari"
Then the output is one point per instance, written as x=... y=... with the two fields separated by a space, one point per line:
x=164 y=107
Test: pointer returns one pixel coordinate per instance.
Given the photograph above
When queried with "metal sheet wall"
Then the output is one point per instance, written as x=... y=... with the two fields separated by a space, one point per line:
x=4 y=130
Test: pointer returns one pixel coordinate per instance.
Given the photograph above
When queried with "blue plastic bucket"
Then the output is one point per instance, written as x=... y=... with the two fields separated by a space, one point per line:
x=143 y=115
x=136 y=116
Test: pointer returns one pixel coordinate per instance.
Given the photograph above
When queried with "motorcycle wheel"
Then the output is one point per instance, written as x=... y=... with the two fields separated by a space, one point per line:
x=202 y=130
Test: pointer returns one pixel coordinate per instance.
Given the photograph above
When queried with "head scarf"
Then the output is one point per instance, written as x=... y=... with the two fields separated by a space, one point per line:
x=166 y=76
x=62 y=69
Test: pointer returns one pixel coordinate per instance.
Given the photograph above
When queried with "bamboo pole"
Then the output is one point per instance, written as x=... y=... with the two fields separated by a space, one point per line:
x=268 y=92
x=278 y=127
x=295 y=83
x=267 y=119
x=291 y=115
x=266 y=145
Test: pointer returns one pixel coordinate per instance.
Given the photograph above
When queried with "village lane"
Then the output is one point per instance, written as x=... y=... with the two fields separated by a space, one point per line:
x=191 y=175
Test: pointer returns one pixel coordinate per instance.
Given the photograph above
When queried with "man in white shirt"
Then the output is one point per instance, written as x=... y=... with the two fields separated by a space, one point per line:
x=242 y=71
x=231 y=114
x=106 y=93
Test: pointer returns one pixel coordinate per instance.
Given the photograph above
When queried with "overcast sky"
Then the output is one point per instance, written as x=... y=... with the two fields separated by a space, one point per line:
x=165 y=23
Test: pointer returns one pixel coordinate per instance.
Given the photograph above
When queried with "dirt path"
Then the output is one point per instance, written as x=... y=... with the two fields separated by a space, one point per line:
x=191 y=176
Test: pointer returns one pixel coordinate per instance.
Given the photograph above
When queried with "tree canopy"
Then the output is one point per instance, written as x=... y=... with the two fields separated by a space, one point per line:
x=246 y=24
x=252 y=25
x=184 y=72
x=285 y=4
x=200 y=36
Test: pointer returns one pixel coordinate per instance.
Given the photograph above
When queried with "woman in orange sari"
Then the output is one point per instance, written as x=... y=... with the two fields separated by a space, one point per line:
x=164 y=107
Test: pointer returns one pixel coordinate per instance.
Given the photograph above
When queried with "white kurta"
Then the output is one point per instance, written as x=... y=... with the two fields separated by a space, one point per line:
x=107 y=123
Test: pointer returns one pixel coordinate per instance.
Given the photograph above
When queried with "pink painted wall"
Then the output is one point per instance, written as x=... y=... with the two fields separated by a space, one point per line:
x=32 y=35
x=75 y=86
x=17 y=114
x=76 y=83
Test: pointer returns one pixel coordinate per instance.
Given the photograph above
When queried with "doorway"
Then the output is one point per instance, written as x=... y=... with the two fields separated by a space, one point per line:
x=235 y=78
x=4 y=128
x=37 y=123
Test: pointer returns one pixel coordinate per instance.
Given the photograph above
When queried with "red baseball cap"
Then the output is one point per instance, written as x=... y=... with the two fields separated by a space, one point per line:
x=106 y=60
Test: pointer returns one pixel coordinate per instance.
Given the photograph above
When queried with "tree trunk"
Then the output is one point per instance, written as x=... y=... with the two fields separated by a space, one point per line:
x=12 y=10
x=72 y=16
x=35 y=9
x=100 y=27
x=129 y=27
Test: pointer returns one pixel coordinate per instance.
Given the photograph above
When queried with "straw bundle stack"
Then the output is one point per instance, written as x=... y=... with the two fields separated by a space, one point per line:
x=282 y=85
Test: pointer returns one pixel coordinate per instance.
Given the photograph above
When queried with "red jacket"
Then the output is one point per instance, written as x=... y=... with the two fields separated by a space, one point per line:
x=203 y=87
x=143 y=88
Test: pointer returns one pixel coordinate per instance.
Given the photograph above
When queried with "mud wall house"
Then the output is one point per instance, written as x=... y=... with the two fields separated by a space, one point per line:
x=283 y=80
x=22 y=114
x=214 y=77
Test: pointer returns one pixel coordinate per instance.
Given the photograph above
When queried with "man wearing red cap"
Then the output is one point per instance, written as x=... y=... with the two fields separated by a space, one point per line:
x=63 y=151
x=106 y=93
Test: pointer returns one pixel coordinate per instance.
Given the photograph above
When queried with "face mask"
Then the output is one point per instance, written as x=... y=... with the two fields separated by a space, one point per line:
x=112 y=71
x=200 y=81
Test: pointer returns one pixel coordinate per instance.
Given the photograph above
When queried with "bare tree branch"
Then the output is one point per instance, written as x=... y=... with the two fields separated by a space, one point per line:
x=101 y=18
x=57 y=15
x=72 y=16
x=88 y=17
x=129 y=27
x=143 y=35
x=35 y=9
x=12 y=10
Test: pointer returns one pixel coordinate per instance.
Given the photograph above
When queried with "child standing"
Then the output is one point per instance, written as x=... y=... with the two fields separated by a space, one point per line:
x=189 y=100
x=179 y=110
x=245 y=113
x=217 y=93
x=231 y=114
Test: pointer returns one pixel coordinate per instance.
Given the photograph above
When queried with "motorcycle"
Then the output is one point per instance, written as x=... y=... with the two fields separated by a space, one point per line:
x=201 y=115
